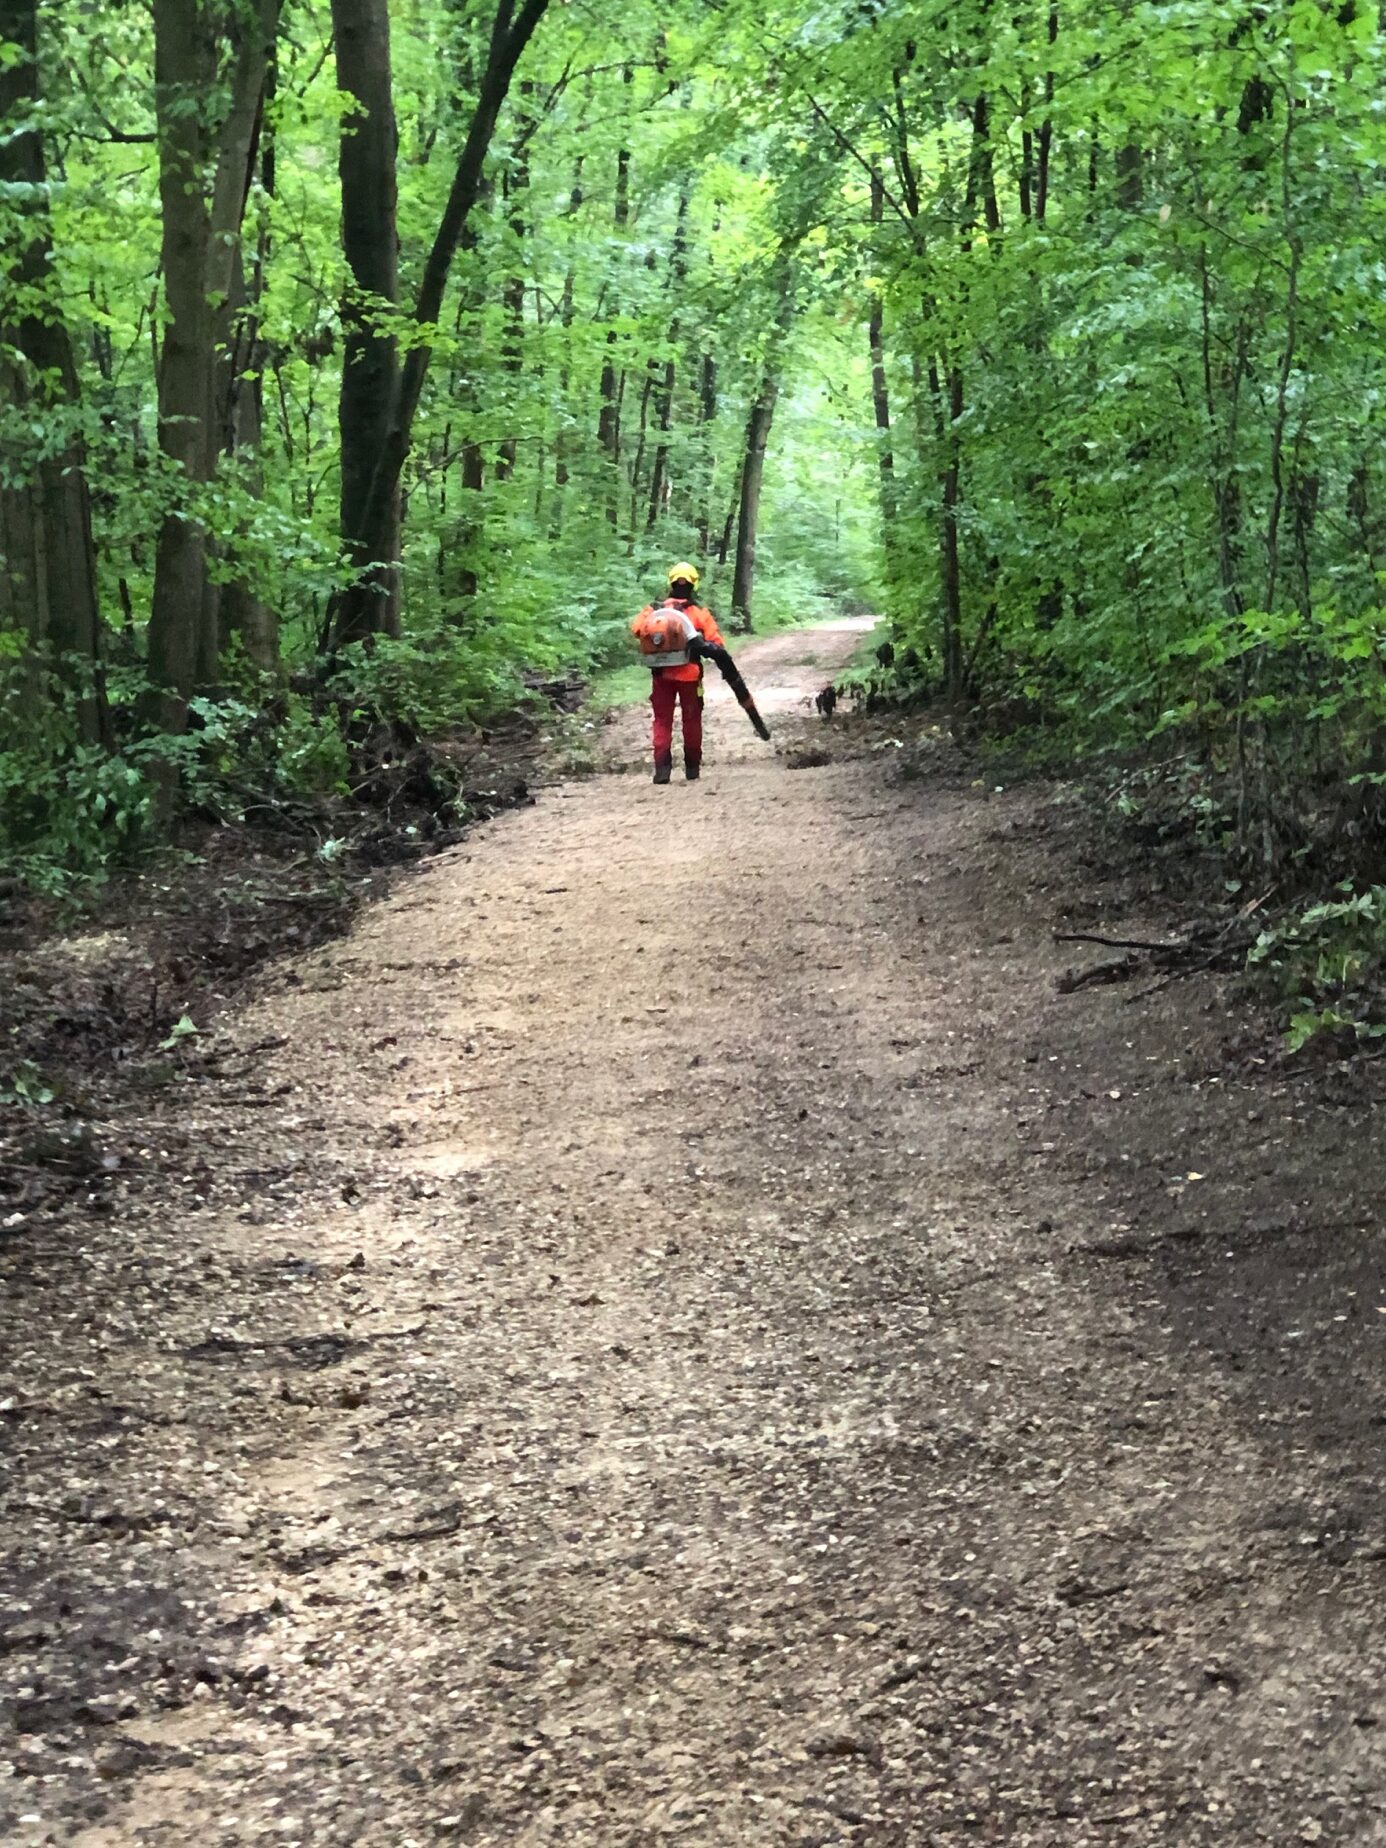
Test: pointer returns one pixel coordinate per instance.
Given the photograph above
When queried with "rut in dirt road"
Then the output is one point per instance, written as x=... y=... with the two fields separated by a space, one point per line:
x=647 y=1385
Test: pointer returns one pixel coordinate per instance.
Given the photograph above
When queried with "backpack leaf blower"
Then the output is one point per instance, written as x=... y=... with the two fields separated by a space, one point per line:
x=699 y=650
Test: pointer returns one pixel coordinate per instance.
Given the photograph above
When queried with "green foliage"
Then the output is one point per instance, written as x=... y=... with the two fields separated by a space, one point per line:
x=1327 y=963
x=68 y=809
x=25 y=1084
x=306 y=751
x=425 y=683
x=184 y=1028
x=72 y=811
x=1158 y=397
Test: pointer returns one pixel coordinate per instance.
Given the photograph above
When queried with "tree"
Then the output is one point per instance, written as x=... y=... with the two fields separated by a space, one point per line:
x=372 y=534
x=47 y=561
x=207 y=133
x=370 y=362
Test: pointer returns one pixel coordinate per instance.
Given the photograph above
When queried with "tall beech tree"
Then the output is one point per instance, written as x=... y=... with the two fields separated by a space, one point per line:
x=609 y=420
x=370 y=388
x=48 y=589
x=377 y=434
x=210 y=66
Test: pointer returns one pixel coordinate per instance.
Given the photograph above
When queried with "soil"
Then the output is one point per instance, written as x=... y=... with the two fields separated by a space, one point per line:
x=675 y=1329
x=169 y=943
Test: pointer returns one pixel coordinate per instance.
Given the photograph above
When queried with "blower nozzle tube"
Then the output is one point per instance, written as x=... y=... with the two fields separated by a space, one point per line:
x=700 y=650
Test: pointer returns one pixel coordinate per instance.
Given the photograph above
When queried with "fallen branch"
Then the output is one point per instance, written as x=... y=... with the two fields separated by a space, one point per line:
x=1346 y=1063
x=246 y=1100
x=1121 y=943
x=1235 y=950
x=900 y=1677
x=438 y=1524
x=1120 y=970
x=683 y=1639
x=271 y=1043
x=326 y=1349
x=1203 y=948
x=1078 y=1592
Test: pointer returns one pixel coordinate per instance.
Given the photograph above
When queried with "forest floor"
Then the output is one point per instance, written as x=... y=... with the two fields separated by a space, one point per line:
x=673 y=1329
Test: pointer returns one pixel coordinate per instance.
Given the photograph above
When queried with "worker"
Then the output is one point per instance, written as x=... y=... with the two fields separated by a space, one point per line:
x=664 y=631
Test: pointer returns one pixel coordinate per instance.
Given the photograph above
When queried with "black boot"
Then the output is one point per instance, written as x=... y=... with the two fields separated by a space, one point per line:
x=692 y=768
x=664 y=769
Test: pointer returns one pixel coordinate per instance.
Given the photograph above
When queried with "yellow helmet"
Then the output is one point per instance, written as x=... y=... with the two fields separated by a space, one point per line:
x=684 y=573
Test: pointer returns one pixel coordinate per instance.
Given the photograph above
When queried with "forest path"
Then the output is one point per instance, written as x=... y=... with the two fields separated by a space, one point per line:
x=648 y=1380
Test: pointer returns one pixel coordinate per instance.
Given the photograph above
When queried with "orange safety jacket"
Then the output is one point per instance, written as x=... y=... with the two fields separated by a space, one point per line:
x=703 y=621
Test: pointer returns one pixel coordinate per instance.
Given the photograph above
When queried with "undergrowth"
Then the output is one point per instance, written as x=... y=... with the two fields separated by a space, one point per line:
x=1316 y=938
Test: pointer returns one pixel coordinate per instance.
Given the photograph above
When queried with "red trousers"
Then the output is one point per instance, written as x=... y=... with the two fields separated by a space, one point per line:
x=663 y=695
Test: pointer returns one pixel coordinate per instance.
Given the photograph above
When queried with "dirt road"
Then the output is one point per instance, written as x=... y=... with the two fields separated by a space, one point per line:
x=678 y=1342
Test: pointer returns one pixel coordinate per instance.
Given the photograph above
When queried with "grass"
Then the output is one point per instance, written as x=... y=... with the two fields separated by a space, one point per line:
x=620 y=686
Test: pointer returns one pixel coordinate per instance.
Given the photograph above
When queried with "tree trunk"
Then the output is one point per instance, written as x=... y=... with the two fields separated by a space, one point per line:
x=637 y=462
x=1303 y=498
x=707 y=417
x=728 y=528
x=515 y=186
x=980 y=189
x=370 y=360
x=1129 y=174
x=748 y=512
x=240 y=352
x=469 y=524
x=880 y=392
x=566 y=308
x=1225 y=484
x=950 y=565
x=378 y=525
x=1027 y=158
x=982 y=178
x=880 y=399
x=47 y=559
x=1045 y=139
x=473 y=469
x=659 y=474
x=678 y=274
x=243 y=616
x=609 y=417
x=1371 y=537
x=202 y=212
x=757 y=436
x=185 y=69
